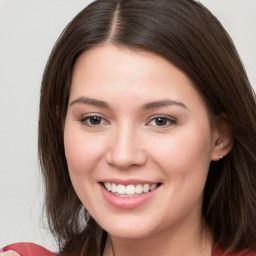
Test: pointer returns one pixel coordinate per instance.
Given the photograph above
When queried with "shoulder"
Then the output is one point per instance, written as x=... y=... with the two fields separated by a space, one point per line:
x=26 y=249
x=9 y=253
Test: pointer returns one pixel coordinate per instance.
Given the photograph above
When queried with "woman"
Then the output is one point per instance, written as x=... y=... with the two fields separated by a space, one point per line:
x=147 y=134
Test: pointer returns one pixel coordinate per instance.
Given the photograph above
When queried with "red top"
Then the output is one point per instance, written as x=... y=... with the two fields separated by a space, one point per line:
x=30 y=249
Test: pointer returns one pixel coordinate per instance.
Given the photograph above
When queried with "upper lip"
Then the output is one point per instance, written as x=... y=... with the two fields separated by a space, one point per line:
x=128 y=181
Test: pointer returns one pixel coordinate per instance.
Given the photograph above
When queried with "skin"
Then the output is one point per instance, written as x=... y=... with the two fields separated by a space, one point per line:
x=10 y=253
x=129 y=143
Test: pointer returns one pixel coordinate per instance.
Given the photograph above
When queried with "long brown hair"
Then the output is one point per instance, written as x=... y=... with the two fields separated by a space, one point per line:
x=190 y=37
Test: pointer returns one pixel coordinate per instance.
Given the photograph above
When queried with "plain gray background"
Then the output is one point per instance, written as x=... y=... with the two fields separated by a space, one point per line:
x=28 y=30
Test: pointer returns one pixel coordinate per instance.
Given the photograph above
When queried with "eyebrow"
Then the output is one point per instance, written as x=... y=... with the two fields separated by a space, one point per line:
x=162 y=103
x=90 y=101
x=147 y=106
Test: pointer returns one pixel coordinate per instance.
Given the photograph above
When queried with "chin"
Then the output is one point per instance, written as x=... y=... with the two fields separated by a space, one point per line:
x=129 y=230
x=129 y=234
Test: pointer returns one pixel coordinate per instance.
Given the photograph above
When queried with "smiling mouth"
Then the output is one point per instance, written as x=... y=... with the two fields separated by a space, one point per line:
x=129 y=190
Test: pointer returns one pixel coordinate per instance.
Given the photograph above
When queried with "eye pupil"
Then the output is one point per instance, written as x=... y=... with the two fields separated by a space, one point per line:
x=161 y=121
x=95 y=120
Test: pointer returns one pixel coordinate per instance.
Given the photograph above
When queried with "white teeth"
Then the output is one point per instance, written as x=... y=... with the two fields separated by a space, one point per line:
x=130 y=189
x=139 y=189
x=153 y=186
x=108 y=186
x=146 y=188
x=120 y=189
x=114 y=188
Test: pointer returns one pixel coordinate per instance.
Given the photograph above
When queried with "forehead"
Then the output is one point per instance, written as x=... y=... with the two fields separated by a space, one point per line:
x=109 y=72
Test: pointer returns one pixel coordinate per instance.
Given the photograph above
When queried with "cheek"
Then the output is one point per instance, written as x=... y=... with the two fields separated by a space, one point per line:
x=185 y=157
x=74 y=152
x=82 y=155
x=185 y=163
x=82 y=150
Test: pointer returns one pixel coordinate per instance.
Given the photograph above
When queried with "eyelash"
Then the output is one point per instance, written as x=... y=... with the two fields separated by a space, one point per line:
x=166 y=121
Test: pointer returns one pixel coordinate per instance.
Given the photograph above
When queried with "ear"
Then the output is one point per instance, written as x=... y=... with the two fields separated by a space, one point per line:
x=222 y=138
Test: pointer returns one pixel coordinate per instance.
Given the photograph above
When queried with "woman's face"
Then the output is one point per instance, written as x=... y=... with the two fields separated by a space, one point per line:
x=138 y=142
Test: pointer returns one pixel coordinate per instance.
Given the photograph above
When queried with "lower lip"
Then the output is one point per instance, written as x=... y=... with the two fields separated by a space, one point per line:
x=127 y=202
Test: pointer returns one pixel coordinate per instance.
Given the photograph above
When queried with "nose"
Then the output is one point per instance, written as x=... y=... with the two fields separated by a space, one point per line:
x=125 y=150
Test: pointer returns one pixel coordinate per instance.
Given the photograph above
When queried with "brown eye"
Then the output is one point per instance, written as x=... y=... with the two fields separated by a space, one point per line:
x=93 y=121
x=162 y=121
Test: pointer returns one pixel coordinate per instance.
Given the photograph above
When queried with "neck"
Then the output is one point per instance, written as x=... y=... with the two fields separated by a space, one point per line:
x=189 y=243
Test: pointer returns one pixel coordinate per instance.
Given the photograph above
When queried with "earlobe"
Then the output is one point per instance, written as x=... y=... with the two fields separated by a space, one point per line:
x=223 y=141
x=222 y=147
x=220 y=155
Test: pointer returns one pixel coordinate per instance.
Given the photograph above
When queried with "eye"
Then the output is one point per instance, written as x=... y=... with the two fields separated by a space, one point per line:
x=93 y=121
x=162 y=121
